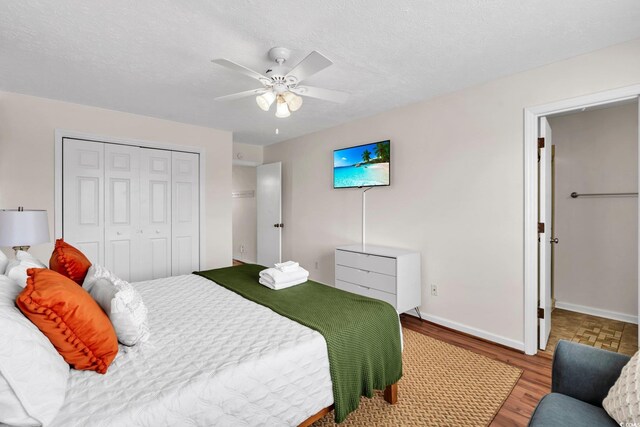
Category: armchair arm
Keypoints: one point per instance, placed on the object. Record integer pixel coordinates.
(585, 373)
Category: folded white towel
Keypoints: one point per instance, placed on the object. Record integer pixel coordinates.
(277, 287)
(276, 276)
(288, 266)
(271, 281)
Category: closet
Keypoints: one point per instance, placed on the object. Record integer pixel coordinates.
(134, 210)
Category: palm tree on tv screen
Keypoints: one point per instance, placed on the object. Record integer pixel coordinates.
(382, 151)
(366, 156)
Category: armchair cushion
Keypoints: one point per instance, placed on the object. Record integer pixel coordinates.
(556, 409)
(585, 373)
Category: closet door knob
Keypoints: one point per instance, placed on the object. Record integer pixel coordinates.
(119, 233)
(157, 231)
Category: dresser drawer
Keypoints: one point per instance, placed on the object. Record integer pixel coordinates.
(367, 292)
(370, 279)
(378, 264)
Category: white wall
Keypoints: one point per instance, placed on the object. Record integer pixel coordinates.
(457, 189)
(247, 154)
(27, 126)
(244, 214)
(596, 260)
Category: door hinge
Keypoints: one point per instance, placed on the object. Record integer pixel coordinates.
(540, 313)
(541, 227)
(540, 142)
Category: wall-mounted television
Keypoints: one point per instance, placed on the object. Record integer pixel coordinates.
(367, 165)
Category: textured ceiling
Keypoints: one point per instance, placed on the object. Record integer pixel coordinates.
(152, 57)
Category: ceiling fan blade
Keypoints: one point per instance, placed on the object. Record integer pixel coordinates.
(241, 69)
(313, 63)
(239, 95)
(326, 94)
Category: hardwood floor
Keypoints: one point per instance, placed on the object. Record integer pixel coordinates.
(534, 383)
(608, 334)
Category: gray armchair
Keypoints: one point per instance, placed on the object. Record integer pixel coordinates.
(581, 378)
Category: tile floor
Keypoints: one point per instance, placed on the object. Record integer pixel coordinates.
(595, 331)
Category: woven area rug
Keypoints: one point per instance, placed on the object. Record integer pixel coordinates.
(443, 385)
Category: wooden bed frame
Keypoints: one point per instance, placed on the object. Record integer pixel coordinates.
(390, 395)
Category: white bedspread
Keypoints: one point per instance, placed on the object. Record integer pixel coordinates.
(214, 358)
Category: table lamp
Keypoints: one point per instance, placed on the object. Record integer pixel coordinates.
(20, 228)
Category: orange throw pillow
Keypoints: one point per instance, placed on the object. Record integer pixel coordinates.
(74, 323)
(69, 262)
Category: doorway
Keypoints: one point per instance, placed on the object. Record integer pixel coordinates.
(269, 213)
(244, 232)
(594, 222)
(257, 218)
(538, 237)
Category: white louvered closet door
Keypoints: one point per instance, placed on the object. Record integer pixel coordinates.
(155, 213)
(83, 197)
(185, 213)
(122, 217)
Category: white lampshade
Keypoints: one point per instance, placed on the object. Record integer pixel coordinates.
(265, 100)
(282, 111)
(293, 101)
(23, 227)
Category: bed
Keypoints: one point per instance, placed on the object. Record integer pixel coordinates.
(215, 358)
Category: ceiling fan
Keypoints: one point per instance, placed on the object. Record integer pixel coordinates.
(282, 86)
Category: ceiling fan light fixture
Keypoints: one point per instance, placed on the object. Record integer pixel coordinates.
(281, 83)
(282, 110)
(293, 101)
(265, 100)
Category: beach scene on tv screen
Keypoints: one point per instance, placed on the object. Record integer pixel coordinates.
(362, 166)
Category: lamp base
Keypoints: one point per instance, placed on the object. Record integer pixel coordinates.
(21, 248)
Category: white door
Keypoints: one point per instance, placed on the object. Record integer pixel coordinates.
(122, 225)
(544, 260)
(155, 214)
(83, 201)
(185, 214)
(269, 207)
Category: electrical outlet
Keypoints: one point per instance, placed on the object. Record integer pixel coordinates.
(241, 249)
(317, 264)
(434, 290)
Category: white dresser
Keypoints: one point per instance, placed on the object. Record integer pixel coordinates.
(387, 274)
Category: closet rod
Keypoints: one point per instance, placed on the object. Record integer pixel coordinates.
(576, 195)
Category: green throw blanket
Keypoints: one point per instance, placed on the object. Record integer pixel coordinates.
(362, 334)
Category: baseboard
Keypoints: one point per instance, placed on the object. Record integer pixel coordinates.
(518, 345)
(597, 312)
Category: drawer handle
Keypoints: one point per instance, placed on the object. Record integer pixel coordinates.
(365, 287)
(364, 271)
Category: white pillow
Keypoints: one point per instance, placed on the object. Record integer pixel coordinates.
(17, 268)
(122, 303)
(3, 262)
(623, 401)
(33, 375)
